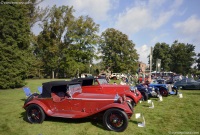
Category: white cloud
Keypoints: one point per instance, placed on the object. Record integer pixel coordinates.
(133, 20)
(161, 20)
(156, 3)
(176, 4)
(191, 26)
(189, 31)
(143, 51)
(97, 9)
(146, 16)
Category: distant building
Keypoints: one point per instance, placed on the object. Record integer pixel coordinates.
(141, 67)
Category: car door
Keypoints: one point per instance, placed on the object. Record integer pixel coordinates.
(60, 105)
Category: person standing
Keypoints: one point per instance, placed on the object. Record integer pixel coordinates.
(186, 78)
(180, 77)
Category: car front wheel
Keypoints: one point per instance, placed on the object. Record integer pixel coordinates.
(131, 101)
(115, 120)
(164, 92)
(35, 114)
(130, 105)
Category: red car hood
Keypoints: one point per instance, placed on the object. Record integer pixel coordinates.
(94, 96)
(121, 88)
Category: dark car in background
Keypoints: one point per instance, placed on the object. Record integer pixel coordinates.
(187, 84)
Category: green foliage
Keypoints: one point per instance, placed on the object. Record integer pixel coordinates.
(81, 39)
(14, 25)
(118, 51)
(14, 43)
(49, 45)
(178, 58)
(198, 61)
(162, 51)
(13, 67)
(66, 44)
(182, 57)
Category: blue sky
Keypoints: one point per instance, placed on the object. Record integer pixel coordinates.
(146, 22)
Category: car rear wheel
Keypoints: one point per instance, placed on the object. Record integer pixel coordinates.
(35, 114)
(145, 96)
(115, 120)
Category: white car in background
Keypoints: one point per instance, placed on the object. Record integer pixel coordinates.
(123, 75)
(115, 76)
(85, 75)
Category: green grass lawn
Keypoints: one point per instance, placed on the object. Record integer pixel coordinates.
(171, 116)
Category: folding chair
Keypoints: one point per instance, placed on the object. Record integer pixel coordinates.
(40, 89)
(27, 91)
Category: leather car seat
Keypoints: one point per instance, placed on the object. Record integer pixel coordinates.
(55, 97)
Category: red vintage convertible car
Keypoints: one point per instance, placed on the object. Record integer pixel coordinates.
(100, 85)
(66, 99)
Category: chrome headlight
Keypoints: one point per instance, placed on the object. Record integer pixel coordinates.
(146, 89)
(133, 89)
(118, 99)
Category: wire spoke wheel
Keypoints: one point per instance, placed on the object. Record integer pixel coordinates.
(35, 114)
(164, 92)
(116, 120)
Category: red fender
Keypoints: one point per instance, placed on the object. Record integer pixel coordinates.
(124, 106)
(41, 104)
(132, 95)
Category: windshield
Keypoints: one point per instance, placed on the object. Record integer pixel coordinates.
(102, 81)
(74, 89)
(188, 80)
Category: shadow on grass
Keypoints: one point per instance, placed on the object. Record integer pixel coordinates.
(194, 93)
(22, 115)
(23, 99)
(133, 121)
(67, 120)
(96, 122)
(146, 105)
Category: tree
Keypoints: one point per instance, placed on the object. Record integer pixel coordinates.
(81, 39)
(162, 51)
(118, 51)
(182, 57)
(66, 44)
(14, 44)
(198, 61)
(49, 41)
(17, 59)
